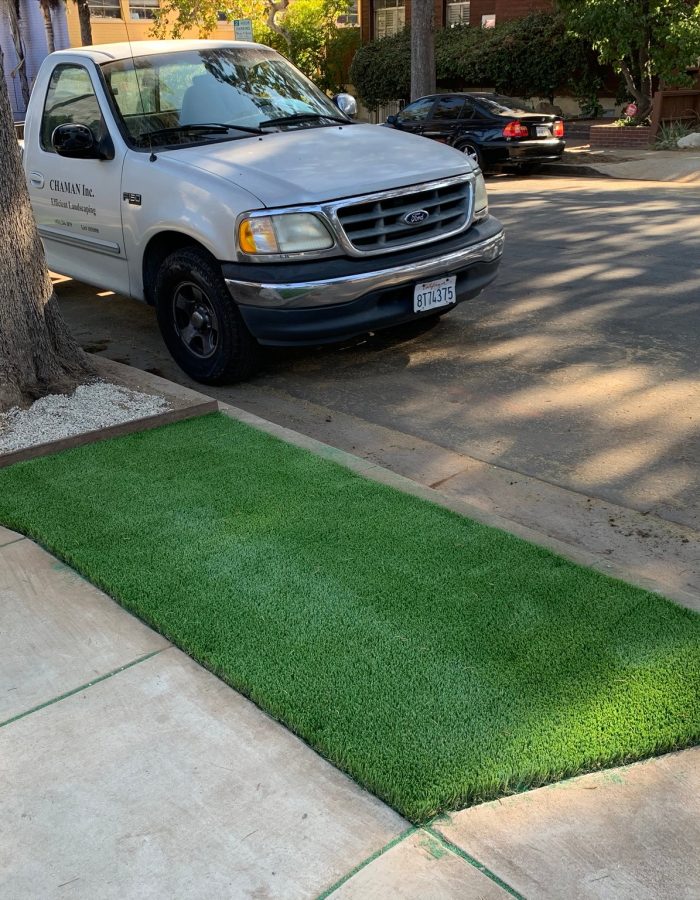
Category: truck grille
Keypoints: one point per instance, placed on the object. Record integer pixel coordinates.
(378, 224)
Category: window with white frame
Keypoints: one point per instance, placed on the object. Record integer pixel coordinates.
(105, 9)
(143, 9)
(389, 17)
(457, 12)
(351, 17)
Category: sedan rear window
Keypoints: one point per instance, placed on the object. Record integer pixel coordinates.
(505, 106)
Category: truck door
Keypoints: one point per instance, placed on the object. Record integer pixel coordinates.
(76, 202)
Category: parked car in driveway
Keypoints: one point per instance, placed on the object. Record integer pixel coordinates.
(492, 130)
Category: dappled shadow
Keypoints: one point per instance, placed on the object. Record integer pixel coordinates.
(579, 365)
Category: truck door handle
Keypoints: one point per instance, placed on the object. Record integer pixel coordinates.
(37, 179)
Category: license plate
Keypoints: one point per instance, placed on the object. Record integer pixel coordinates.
(543, 131)
(431, 294)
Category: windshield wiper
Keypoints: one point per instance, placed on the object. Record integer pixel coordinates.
(301, 117)
(198, 128)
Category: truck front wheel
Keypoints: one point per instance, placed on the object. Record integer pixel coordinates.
(200, 324)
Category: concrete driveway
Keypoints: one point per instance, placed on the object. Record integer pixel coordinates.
(574, 376)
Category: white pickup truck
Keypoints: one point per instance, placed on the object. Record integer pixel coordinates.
(214, 181)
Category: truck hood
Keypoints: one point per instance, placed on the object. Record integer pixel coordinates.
(313, 165)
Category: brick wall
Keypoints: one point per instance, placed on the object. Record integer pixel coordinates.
(518, 9)
(503, 10)
(613, 137)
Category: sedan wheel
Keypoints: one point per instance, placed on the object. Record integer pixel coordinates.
(472, 153)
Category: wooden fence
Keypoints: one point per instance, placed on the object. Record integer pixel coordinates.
(675, 106)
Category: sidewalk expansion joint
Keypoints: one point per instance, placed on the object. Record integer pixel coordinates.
(16, 540)
(365, 862)
(453, 848)
(83, 687)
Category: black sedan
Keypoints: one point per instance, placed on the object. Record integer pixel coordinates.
(494, 131)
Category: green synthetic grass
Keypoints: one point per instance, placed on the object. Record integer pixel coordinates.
(438, 661)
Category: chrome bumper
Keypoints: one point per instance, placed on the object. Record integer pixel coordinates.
(332, 291)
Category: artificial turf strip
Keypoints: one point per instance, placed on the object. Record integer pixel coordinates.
(436, 660)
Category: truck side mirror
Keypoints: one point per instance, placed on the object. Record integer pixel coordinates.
(347, 104)
(78, 142)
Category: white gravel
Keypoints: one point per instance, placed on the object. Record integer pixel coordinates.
(91, 407)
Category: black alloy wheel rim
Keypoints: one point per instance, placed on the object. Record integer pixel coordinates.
(195, 321)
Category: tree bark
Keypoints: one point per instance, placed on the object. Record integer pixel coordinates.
(422, 48)
(273, 7)
(85, 24)
(644, 101)
(38, 356)
(21, 69)
(48, 24)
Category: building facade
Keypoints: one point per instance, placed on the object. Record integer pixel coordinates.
(127, 20)
(384, 17)
(25, 40)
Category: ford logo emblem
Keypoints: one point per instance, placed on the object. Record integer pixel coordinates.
(415, 217)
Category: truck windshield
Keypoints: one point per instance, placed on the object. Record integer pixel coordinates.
(160, 98)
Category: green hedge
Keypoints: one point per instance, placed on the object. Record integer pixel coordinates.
(529, 57)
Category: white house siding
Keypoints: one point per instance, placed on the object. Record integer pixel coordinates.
(60, 27)
(33, 33)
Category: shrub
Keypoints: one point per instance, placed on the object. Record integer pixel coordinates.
(529, 57)
(670, 132)
(381, 70)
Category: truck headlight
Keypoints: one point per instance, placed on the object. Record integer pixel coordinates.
(481, 201)
(283, 233)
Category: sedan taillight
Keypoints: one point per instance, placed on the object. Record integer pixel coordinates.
(558, 130)
(515, 130)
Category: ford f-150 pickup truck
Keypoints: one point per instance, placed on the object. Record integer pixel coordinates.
(214, 181)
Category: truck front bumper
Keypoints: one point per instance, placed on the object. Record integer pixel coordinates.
(356, 296)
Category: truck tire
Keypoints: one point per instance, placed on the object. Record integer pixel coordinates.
(200, 323)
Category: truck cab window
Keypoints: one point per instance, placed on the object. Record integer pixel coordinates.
(70, 98)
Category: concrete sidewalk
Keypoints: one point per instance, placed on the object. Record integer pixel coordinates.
(679, 166)
(130, 771)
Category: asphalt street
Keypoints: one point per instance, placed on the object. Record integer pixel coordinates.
(578, 366)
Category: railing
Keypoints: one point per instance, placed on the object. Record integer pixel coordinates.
(377, 116)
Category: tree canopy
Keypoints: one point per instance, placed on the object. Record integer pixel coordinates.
(640, 39)
(305, 31)
(529, 57)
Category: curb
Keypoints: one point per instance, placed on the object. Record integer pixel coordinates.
(574, 170)
(461, 507)
(189, 404)
(185, 404)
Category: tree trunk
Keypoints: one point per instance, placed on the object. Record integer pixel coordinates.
(422, 48)
(85, 25)
(643, 100)
(37, 353)
(21, 69)
(273, 7)
(48, 24)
